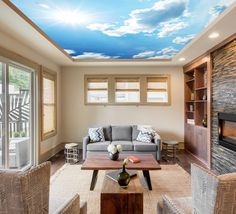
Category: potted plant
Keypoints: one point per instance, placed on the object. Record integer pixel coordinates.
(113, 151)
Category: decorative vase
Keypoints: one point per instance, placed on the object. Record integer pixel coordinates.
(123, 178)
(113, 157)
(204, 122)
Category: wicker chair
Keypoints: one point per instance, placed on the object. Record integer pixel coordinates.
(211, 194)
(28, 192)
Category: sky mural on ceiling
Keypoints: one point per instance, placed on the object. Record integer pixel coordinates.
(122, 29)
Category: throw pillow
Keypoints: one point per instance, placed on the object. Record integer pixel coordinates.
(96, 134)
(145, 136)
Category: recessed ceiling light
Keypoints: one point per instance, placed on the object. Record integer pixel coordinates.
(214, 35)
(182, 59)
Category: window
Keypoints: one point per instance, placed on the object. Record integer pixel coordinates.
(127, 90)
(97, 90)
(157, 90)
(17, 118)
(49, 106)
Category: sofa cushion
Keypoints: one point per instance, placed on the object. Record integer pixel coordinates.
(98, 146)
(121, 133)
(107, 133)
(96, 134)
(126, 145)
(135, 132)
(145, 136)
(144, 147)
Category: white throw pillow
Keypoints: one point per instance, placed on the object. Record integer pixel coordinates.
(96, 134)
(145, 136)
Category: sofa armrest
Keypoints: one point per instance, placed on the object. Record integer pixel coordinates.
(86, 141)
(157, 141)
(72, 207)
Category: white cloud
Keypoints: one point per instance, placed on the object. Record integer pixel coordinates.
(145, 54)
(169, 51)
(171, 27)
(92, 55)
(165, 53)
(217, 10)
(183, 40)
(100, 27)
(69, 51)
(146, 20)
(45, 6)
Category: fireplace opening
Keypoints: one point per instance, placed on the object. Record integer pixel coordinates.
(227, 130)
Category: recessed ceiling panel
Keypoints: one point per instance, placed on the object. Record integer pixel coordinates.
(122, 29)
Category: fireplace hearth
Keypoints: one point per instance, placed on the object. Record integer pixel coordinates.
(227, 130)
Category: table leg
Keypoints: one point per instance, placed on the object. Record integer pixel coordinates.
(147, 178)
(94, 180)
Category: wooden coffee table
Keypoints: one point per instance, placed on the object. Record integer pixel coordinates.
(117, 200)
(98, 162)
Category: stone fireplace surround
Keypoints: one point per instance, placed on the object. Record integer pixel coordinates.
(223, 100)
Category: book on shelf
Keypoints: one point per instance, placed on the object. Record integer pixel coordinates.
(133, 159)
(191, 121)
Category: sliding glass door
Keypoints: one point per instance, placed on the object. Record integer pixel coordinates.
(17, 116)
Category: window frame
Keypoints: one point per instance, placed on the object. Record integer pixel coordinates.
(51, 75)
(88, 80)
(143, 78)
(123, 79)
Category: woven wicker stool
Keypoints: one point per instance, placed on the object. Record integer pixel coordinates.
(71, 153)
(170, 148)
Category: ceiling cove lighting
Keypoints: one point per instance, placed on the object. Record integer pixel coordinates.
(213, 35)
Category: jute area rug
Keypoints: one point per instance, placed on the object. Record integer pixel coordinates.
(171, 180)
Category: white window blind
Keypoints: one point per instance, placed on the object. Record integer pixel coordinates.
(49, 105)
(157, 90)
(127, 90)
(97, 90)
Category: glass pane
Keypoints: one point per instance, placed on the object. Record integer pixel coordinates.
(19, 117)
(127, 85)
(48, 91)
(157, 85)
(1, 117)
(49, 116)
(157, 97)
(127, 97)
(97, 85)
(97, 97)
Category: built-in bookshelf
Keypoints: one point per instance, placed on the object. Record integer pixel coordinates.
(197, 77)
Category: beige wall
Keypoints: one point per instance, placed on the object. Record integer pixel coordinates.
(76, 117)
(10, 43)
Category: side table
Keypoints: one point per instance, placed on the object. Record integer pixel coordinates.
(71, 153)
(170, 148)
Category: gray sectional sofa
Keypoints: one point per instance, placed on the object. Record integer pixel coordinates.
(125, 136)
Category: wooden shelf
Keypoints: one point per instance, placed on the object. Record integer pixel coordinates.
(202, 88)
(201, 126)
(191, 80)
(197, 83)
(200, 101)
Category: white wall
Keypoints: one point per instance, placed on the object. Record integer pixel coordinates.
(76, 117)
(10, 43)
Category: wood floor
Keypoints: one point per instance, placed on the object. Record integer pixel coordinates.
(184, 160)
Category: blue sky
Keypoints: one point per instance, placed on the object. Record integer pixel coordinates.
(122, 29)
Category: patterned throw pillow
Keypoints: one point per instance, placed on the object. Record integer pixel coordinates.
(96, 134)
(145, 136)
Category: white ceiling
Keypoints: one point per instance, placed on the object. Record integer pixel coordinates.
(11, 23)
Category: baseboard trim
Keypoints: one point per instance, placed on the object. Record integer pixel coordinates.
(47, 155)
